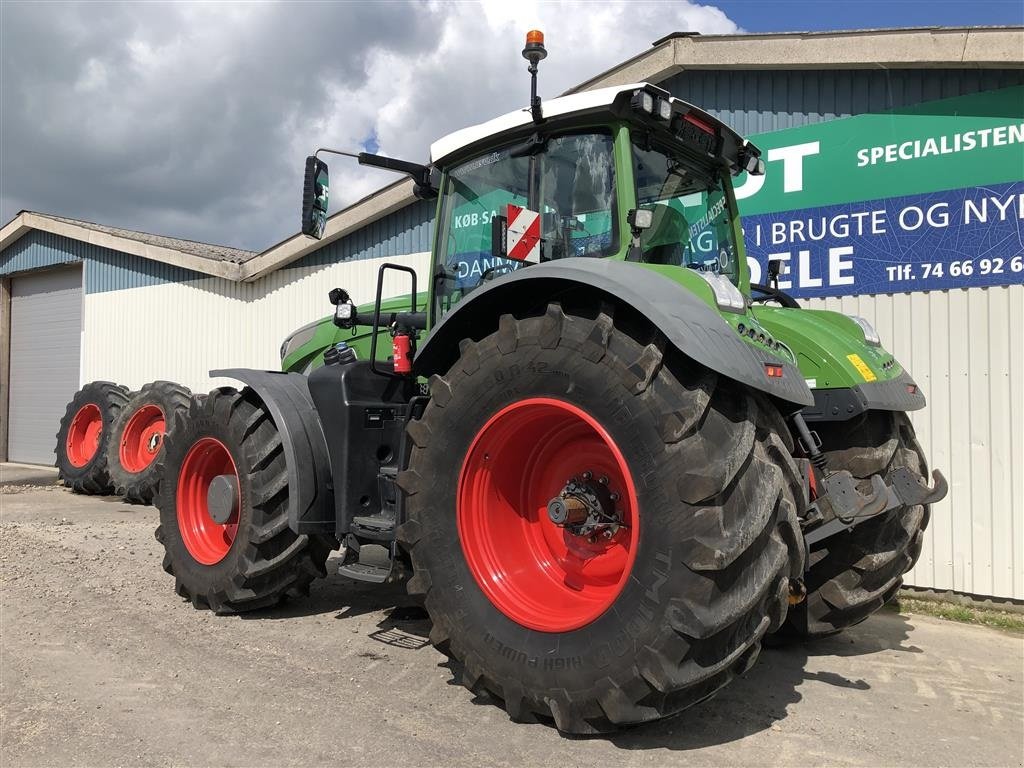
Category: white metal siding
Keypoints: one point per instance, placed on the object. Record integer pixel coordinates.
(180, 331)
(46, 325)
(965, 348)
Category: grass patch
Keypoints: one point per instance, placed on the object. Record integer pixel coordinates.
(966, 614)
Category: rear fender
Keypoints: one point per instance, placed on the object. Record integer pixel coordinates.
(689, 324)
(286, 396)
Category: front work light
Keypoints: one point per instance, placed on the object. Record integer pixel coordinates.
(727, 295)
(870, 334)
(664, 109)
(640, 218)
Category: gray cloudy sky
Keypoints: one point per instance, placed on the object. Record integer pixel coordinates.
(192, 120)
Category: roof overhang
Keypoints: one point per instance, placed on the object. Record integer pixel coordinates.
(26, 221)
(926, 48)
(376, 206)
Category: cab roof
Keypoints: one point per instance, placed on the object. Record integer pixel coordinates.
(596, 101)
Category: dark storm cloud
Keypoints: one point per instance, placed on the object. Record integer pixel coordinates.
(192, 120)
(177, 118)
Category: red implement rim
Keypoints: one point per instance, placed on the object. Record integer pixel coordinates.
(84, 435)
(142, 438)
(536, 573)
(206, 540)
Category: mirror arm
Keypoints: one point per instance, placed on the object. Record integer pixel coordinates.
(419, 173)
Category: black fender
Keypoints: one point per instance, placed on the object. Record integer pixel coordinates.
(689, 324)
(898, 394)
(286, 396)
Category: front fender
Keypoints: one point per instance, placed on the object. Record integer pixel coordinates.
(689, 323)
(286, 396)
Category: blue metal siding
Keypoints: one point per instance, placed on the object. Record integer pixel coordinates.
(402, 232)
(109, 270)
(758, 101)
(37, 250)
(408, 230)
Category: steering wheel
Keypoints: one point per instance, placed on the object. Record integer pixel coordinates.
(498, 269)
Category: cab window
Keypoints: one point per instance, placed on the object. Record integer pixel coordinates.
(693, 223)
(570, 181)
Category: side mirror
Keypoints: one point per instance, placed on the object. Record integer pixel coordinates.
(774, 270)
(315, 191)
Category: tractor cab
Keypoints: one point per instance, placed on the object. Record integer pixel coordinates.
(626, 173)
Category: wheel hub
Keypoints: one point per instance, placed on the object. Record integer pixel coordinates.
(222, 498)
(586, 508)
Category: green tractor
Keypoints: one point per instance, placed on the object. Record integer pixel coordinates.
(609, 465)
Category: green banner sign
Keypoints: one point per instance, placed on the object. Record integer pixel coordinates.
(940, 145)
(925, 198)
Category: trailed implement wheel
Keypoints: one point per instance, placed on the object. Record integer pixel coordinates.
(137, 439)
(85, 434)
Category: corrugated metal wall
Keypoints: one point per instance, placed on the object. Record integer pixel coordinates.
(966, 350)
(180, 331)
(758, 101)
(37, 250)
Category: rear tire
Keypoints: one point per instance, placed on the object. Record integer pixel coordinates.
(137, 437)
(84, 436)
(715, 506)
(854, 574)
(254, 560)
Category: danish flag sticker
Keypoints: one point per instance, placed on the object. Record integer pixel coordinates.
(523, 234)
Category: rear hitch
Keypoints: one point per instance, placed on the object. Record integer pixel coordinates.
(911, 489)
(851, 508)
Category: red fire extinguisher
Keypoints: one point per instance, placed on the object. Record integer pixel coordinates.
(401, 348)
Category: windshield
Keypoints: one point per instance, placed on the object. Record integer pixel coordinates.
(570, 181)
(692, 224)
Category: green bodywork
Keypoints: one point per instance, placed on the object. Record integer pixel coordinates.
(304, 349)
(823, 341)
(819, 342)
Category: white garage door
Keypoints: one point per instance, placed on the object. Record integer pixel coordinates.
(46, 326)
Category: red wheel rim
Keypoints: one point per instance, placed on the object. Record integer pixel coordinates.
(536, 573)
(205, 539)
(142, 438)
(84, 435)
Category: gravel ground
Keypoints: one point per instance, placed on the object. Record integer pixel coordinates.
(102, 664)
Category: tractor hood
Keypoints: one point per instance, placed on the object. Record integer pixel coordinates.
(833, 354)
(304, 349)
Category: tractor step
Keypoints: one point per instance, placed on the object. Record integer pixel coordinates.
(374, 574)
(370, 561)
(374, 527)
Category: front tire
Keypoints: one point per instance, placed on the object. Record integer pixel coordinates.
(674, 604)
(253, 559)
(854, 574)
